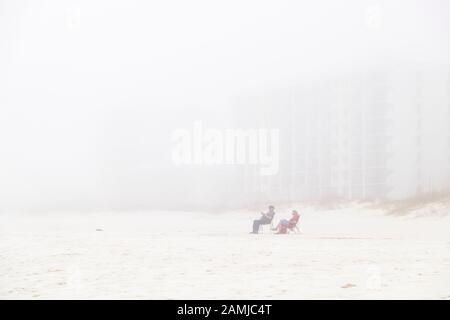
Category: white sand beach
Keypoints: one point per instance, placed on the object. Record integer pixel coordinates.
(353, 251)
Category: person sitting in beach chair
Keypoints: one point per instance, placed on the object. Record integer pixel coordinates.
(266, 218)
(287, 225)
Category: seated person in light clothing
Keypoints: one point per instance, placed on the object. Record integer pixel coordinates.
(285, 224)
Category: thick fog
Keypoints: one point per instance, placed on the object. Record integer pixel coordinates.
(96, 95)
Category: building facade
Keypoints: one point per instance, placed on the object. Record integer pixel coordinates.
(372, 135)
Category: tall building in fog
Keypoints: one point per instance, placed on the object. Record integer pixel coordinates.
(420, 98)
(372, 135)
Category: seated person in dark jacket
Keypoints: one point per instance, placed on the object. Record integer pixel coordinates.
(266, 218)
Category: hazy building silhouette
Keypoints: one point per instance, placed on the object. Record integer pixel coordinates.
(347, 137)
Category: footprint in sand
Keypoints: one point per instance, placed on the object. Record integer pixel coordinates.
(348, 285)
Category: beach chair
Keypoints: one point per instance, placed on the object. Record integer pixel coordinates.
(266, 228)
(293, 226)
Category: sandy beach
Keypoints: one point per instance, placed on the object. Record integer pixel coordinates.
(351, 252)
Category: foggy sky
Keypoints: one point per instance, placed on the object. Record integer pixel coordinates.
(91, 90)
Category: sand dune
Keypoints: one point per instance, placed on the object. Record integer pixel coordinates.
(354, 251)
